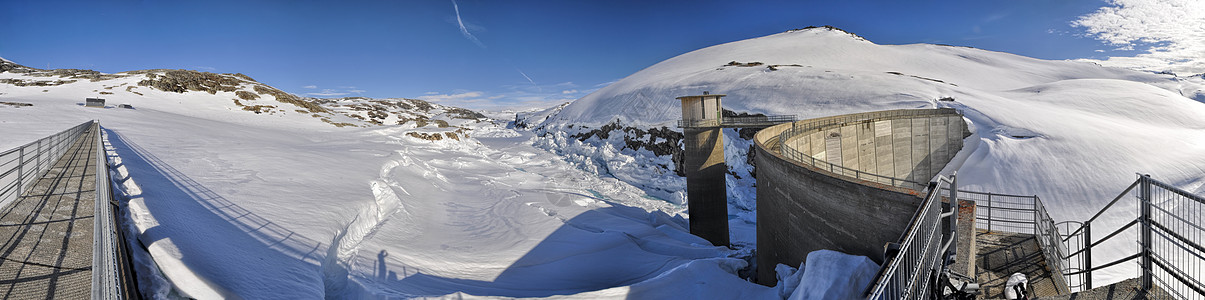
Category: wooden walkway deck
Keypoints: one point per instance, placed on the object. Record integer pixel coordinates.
(47, 232)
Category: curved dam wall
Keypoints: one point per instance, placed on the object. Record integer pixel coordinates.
(805, 202)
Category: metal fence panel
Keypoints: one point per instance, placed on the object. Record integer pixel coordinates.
(105, 274)
(1174, 258)
(908, 275)
(20, 167)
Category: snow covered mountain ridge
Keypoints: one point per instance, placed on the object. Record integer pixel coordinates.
(236, 91)
(1074, 133)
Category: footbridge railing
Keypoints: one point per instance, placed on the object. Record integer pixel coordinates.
(1170, 226)
(112, 276)
(1028, 215)
(739, 121)
(910, 272)
(1171, 240)
(20, 167)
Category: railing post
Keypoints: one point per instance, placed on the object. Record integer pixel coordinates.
(1144, 206)
(1087, 243)
(20, 172)
(953, 208)
(989, 212)
(1034, 211)
(37, 159)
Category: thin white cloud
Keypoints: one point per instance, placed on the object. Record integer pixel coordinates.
(444, 98)
(341, 91)
(514, 99)
(1171, 31)
(327, 93)
(465, 30)
(566, 92)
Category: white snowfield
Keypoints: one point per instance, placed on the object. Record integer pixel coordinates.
(233, 204)
(1073, 133)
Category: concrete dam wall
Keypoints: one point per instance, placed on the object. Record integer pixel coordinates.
(849, 183)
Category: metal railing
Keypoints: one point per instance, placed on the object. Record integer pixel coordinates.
(737, 121)
(107, 279)
(24, 165)
(1027, 215)
(1170, 255)
(813, 125)
(910, 273)
(1171, 241)
(20, 167)
(801, 158)
(758, 120)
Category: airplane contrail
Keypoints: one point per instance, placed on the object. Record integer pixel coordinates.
(465, 30)
(533, 82)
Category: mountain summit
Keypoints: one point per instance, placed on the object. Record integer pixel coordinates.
(820, 71)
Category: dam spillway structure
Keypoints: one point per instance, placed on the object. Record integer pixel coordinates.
(706, 192)
(849, 183)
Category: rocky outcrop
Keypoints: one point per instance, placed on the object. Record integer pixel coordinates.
(661, 141)
(180, 81)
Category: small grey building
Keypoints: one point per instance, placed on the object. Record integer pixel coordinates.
(94, 102)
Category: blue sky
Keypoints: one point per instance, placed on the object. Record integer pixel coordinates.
(493, 54)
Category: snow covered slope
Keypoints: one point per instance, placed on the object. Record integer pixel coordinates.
(1073, 133)
(235, 98)
(281, 204)
(830, 71)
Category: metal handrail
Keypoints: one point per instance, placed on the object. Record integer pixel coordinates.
(1107, 206)
(758, 119)
(906, 275)
(106, 268)
(1163, 234)
(1030, 216)
(736, 121)
(20, 167)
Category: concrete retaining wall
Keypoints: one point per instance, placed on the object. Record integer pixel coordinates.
(913, 149)
(803, 208)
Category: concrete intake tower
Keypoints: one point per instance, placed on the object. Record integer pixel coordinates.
(706, 191)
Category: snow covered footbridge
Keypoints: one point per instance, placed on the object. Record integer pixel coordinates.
(57, 220)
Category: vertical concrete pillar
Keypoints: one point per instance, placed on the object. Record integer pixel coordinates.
(965, 248)
(706, 191)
